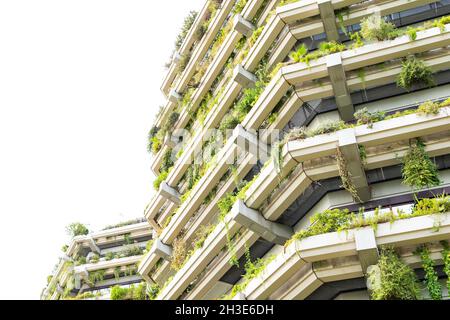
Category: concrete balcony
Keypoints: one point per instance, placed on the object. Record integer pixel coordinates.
(185, 47)
(301, 255)
(268, 180)
(228, 46)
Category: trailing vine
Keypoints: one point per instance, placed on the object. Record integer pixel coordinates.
(346, 178)
(431, 277)
(446, 259)
(392, 279)
(414, 71)
(418, 170)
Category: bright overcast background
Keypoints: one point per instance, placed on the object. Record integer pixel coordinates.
(79, 89)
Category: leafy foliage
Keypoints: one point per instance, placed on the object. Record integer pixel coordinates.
(187, 24)
(363, 116)
(431, 277)
(397, 281)
(375, 27)
(159, 179)
(130, 293)
(337, 220)
(446, 259)
(418, 170)
(77, 229)
(428, 108)
(413, 72)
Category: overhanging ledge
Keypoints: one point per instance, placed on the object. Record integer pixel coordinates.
(254, 221)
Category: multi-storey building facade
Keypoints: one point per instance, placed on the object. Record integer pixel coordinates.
(282, 111)
(92, 264)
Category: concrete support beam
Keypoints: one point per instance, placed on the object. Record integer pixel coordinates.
(162, 250)
(243, 26)
(169, 141)
(339, 84)
(243, 77)
(174, 96)
(350, 151)
(248, 141)
(169, 193)
(328, 19)
(93, 245)
(366, 246)
(254, 221)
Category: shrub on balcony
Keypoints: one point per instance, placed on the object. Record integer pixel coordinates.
(239, 6)
(428, 108)
(159, 179)
(130, 293)
(376, 28)
(300, 53)
(167, 161)
(187, 24)
(77, 229)
(363, 116)
(418, 170)
(393, 279)
(413, 72)
(178, 254)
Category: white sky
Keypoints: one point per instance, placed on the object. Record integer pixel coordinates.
(79, 88)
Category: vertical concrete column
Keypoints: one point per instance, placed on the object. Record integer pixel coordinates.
(328, 19)
(339, 84)
(349, 148)
(366, 246)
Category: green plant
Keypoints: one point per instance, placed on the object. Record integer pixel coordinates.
(64, 248)
(80, 261)
(431, 277)
(130, 293)
(357, 41)
(239, 6)
(225, 204)
(178, 254)
(202, 234)
(418, 170)
(392, 279)
(117, 271)
(187, 24)
(414, 72)
(152, 138)
(159, 179)
(412, 33)
(300, 53)
(346, 178)
(252, 270)
(95, 277)
(94, 258)
(77, 229)
(375, 27)
(365, 117)
(167, 161)
(153, 291)
(446, 260)
(154, 145)
(428, 108)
